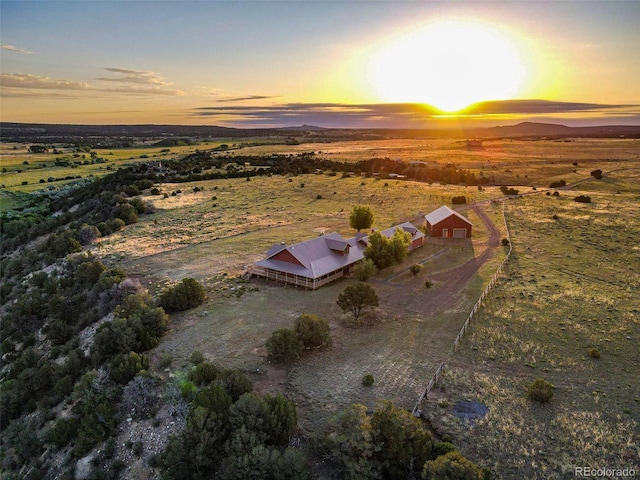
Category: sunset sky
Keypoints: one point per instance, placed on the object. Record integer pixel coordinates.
(331, 64)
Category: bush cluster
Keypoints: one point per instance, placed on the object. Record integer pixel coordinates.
(232, 433)
(183, 296)
(540, 390)
(391, 444)
(509, 190)
(309, 332)
(365, 269)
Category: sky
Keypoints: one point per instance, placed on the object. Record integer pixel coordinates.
(365, 64)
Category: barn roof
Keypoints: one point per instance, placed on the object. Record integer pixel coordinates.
(317, 256)
(441, 213)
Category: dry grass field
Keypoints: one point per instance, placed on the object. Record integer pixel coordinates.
(572, 286)
(513, 161)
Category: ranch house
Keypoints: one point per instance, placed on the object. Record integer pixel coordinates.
(321, 260)
(312, 263)
(447, 223)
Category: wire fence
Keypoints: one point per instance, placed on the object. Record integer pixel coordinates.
(436, 376)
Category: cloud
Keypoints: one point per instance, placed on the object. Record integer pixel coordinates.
(11, 48)
(134, 76)
(522, 107)
(26, 80)
(248, 97)
(26, 85)
(391, 115)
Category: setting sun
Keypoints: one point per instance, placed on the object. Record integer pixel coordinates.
(448, 65)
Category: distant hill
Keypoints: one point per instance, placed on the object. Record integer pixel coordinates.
(35, 132)
(63, 132)
(533, 129)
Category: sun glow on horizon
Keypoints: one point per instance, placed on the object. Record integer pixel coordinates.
(449, 65)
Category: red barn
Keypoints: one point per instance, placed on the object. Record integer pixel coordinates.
(447, 223)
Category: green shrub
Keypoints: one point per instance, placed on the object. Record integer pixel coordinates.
(186, 294)
(594, 353)
(138, 204)
(582, 199)
(62, 432)
(558, 183)
(235, 383)
(540, 391)
(284, 346)
(453, 466)
(204, 373)
(461, 199)
(188, 390)
(196, 357)
(166, 359)
(127, 213)
(143, 184)
(508, 190)
(368, 380)
(365, 270)
(88, 234)
(505, 242)
(131, 190)
(442, 448)
(125, 367)
(401, 439)
(428, 283)
(312, 331)
(416, 268)
(115, 224)
(282, 418)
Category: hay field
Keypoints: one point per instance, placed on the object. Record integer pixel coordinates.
(572, 285)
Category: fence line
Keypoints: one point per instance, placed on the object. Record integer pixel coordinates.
(436, 376)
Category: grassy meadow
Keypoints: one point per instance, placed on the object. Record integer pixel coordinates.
(41, 166)
(511, 161)
(255, 214)
(572, 286)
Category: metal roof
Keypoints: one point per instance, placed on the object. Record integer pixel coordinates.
(318, 255)
(441, 213)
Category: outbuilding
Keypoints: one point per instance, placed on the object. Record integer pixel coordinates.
(447, 223)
